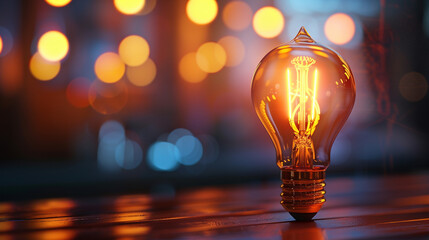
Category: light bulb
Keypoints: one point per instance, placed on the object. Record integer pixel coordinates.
(303, 93)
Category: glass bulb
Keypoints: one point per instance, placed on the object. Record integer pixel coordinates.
(303, 93)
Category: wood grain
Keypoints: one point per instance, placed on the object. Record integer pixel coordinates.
(393, 207)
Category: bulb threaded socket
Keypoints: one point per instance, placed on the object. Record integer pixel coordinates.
(303, 192)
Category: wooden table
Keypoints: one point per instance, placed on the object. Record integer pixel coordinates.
(392, 207)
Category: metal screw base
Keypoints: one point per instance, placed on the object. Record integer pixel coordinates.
(303, 192)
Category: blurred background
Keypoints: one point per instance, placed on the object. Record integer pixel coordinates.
(123, 96)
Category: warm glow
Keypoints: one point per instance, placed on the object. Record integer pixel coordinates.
(297, 100)
(58, 3)
(268, 22)
(234, 50)
(142, 75)
(289, 91)
(314, 93)
(189, 69)
(201, 11)
(134, 50)
(55, 233)
(129, 7)
(131, 229)
(211, 57)
(109, 67)
(43, 69)
(340, 28)
(1, 44)
(299, 119)
(53, 46)
(77, 92)
(237, 15)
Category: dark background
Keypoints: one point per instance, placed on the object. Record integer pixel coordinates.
(48, 147)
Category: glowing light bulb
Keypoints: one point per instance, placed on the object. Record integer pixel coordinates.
(303, 93)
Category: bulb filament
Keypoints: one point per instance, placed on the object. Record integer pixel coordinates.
(304, 111)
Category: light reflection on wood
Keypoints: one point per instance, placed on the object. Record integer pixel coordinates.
(366, 207)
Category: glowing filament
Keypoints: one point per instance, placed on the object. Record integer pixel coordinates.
(303, 110)
(314, 94)
(300, 95)
(289, 93)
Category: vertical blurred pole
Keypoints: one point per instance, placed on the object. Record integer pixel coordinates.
(28, 26)
(192, 97)
(10, 64)
(166, 106)
(14, 79)
(388, 110)
(384, 104)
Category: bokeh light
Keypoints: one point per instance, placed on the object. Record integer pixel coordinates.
(234, 50)
(340, 28)
(178, 133)
(413, 86)
(109, 127)
(108, 98)
(53, 46)
(6, 39)
(163, 156)
(201, 11)
(211, 57)
(149, 5)
(315, 7)
(268, 22)
(128, 155)
(191, 150)
(77, 92)
(134, 50)
(129, 7)
(109, 67)
(142, 75)
(58, 3)
(43, 69)
(237, 15)
(110, 136)
(189, 70)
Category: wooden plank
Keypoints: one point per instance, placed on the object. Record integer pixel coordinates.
(356, 208)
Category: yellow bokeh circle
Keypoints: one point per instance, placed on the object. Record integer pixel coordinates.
(211, 57)
(58, 3)
(201, 11)
(340, 28)
(189, 70)
(53, 46)
(142, 75)
(109, 67)
(268, 22)
(43, 69)
(129, 7)
(134, 50)
(1, 44)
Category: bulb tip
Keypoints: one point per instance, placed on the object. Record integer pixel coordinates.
(303, 31)
(303, 36)
(303, 217)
